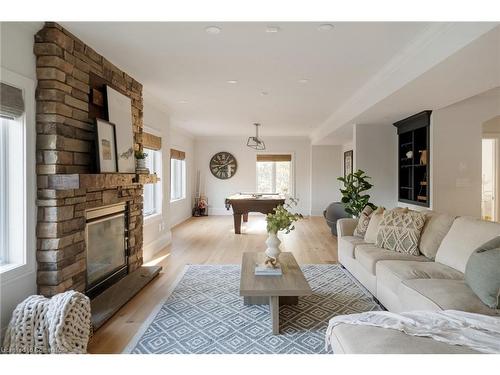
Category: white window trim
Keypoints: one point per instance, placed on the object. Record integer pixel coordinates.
(158, 163)
(184, 192)
(10, 272)
(292, 170)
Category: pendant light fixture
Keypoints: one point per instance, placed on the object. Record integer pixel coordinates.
(256, 142)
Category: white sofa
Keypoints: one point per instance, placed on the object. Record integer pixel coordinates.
(402, 282)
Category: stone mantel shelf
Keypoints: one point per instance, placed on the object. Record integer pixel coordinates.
(98, 180)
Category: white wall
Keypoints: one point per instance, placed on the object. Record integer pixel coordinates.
(181, 210)
(375, 149)
(16, 55)
(157, 228)
(456, 154)
(245, 178)
(326, 166)
(156, 232)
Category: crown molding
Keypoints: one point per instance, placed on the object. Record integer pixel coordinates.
(432, 46)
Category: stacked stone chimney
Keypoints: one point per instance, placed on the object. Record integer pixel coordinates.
(68, 100)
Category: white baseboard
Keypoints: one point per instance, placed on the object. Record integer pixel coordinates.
(155, 246)
(316, 212)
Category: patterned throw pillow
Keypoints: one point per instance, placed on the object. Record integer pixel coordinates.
(364, 220)
(400, 231)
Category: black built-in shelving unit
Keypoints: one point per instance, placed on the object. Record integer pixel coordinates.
(413, 172)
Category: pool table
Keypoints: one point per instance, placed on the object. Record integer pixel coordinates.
(243, 203)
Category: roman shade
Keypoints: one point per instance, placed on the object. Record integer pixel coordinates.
(176, 154)
(269, 157)
(11, 101)
(151, 141)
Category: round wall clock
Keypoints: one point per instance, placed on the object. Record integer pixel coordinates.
(223, 165)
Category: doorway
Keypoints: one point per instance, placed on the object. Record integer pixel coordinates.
(489, 179)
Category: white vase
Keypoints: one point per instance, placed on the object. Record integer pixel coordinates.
(273, 245)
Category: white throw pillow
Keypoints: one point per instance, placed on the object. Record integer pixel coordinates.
(372, 230)
(466, 235)
(435, 229)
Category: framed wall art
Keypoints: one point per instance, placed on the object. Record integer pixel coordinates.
(106, 147)
(348, 163)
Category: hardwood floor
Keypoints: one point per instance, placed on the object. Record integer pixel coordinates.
(209, 240)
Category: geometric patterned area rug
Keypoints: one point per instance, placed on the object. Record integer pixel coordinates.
(205, 314)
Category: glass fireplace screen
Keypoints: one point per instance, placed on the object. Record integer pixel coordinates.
(105, 247)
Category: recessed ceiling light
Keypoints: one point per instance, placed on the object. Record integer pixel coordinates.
(325, 27)
(272, 29)
(182, 102)
(232, 81)
(303, 80)
(213, 30)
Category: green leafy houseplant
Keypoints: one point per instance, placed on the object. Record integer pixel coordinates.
(282, 218)
(140, 155)
(353, 194)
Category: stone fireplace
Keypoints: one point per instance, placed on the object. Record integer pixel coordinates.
(72, 196)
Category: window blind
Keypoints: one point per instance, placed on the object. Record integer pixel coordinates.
(11, 101)
(151, 141)
(269, 157)
(176, 154)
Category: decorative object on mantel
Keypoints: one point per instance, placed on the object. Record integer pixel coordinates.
(120, 113)
(40, 325)
(106, 147)
(140, 160)
(280, 220)
(353, 194)
(256, 142)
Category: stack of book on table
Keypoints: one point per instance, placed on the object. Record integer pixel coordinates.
(262, 270)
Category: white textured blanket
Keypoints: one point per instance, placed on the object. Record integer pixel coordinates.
(40, 325)
(476, 331)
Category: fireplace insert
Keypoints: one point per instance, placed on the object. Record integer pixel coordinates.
(106, 240)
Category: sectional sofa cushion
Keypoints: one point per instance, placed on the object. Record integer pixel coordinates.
(348, 243)
(465, 236)
(373, 225)
(368, 255)
(482, 273)
(440, 294)
(361, 339)
(400, 231)
(390, 273)
(435, 229)
(363, 221)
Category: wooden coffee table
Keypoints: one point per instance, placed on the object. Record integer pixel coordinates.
(272, 290)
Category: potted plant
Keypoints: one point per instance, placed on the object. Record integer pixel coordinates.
(353, 194)
(140, 160)
(281, 219)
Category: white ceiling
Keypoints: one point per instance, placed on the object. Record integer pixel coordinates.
(179, 62)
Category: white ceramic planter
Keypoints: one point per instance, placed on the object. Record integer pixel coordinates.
(141, 163)
(273, 245)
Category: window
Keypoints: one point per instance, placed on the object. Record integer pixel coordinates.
(177, 175)
(16, 226)
(274, 174)
(152, 192)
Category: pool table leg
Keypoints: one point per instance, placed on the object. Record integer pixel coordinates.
(237, 223)
(245, 217)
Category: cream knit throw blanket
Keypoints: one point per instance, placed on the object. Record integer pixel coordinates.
(60, 324)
